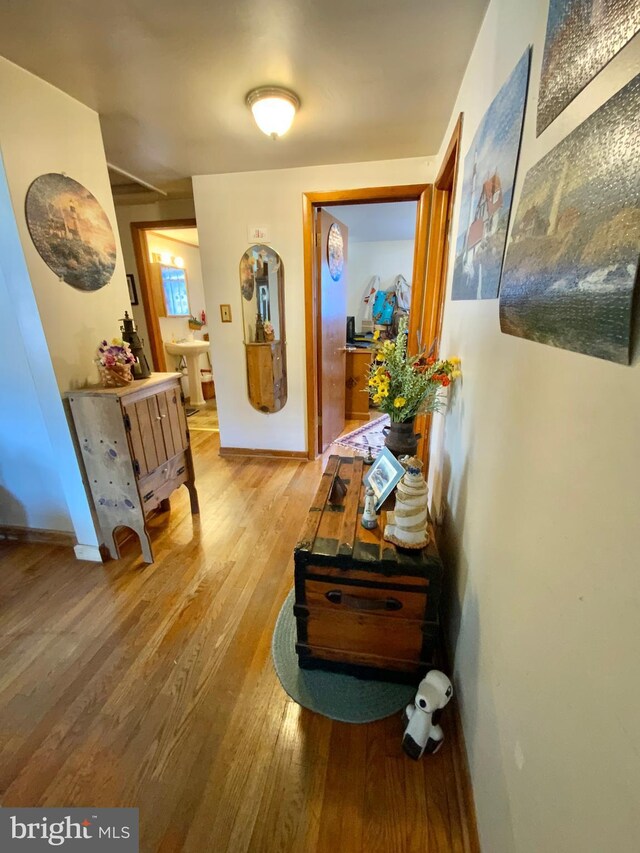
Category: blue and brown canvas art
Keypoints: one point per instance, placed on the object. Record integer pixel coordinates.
(582, 37)
(487, 190)
(572, 260)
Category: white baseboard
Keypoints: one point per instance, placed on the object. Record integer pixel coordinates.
(88, 552)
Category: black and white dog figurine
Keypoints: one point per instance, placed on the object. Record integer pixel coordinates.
(422, 733)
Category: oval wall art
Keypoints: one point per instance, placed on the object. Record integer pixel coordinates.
(335, 251)
(71, 231)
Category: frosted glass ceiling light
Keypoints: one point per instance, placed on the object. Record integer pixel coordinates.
(273, 109)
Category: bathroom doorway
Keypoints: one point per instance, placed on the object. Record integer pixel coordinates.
(171, 310)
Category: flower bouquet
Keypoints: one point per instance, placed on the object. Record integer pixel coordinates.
(269, 331)
(404, 386)
(114, 363)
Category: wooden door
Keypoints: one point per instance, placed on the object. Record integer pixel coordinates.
(332, 322)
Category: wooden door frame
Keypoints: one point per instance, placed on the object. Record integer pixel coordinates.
(421, 193)
(151, 311)
(439, 246)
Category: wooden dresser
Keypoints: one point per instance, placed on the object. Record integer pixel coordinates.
(362, 606)
(134, 444)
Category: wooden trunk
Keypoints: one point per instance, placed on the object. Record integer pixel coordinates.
(134, 445)
(362, 605)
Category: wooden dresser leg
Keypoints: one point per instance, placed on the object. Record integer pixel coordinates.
(111, 544)
(193, 497)
(145, 543)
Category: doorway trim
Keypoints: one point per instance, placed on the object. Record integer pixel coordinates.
(421, 193)
(439, 246)
(141, 252)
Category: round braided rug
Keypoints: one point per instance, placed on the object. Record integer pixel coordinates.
(340, 697)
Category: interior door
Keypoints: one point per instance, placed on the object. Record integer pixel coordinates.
(332, 322)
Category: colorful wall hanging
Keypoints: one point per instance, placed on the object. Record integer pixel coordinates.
(487, 190)
(71, 231)
(573, 255)
(582, 37)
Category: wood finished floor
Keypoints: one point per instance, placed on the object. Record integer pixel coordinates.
(152, 686)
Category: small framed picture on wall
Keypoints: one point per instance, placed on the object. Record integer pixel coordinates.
(133, 293)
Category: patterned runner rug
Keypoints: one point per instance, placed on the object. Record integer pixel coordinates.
(368, 435)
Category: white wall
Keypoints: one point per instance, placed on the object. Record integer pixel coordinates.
(386, 258)
(225, 206)
(43, 130)
(155, 212)
(541, 504)
(30, 489)
(40, 482)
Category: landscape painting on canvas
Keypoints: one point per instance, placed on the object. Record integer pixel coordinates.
(487, 190)
(582, 37)
(572, 260)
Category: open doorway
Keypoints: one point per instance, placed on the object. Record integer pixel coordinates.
(171, 311)
(433, 210)
(339, 351)
(378, 271)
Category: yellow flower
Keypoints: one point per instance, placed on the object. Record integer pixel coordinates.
(377, 399)
(116, 342)
(384, 391)
(399, 402)
(374, 381)
(376, 334)
(456, 374)
(454, 360)
(379, 357)
(380, 370)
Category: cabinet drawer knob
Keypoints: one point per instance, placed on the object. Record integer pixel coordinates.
(357, 602)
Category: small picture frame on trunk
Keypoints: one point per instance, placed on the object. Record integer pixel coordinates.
(384, 475)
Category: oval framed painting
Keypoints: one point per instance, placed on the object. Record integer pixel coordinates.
(71, 231)
(335, 251)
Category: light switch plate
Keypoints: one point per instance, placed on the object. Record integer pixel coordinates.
(225, 313)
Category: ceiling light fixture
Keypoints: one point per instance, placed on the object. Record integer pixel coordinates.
(273, 109)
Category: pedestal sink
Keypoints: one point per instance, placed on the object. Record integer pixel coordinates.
(191, 350)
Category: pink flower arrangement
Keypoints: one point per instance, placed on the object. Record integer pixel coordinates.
(117, 352)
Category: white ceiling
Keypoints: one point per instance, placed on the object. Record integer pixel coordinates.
(371, 223)
(377, 79)
(183, 235)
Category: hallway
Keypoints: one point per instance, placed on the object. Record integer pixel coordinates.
(152, 686)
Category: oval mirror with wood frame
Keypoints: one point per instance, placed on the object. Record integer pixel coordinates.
(262, 288)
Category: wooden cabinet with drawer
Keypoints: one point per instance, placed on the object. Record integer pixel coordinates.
(134, 445)
(357, 383)
(362, 606)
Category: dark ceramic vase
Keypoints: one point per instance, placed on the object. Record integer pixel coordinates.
(401, 439)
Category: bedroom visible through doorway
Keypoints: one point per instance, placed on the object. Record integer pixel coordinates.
(368, 291)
